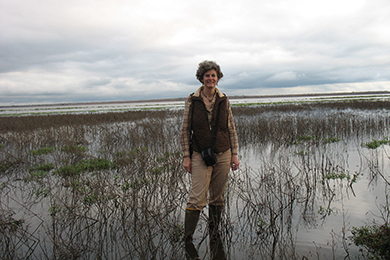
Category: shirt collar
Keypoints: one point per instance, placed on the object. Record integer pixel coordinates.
(198, 92)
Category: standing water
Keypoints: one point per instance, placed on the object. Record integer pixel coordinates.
(111, 186)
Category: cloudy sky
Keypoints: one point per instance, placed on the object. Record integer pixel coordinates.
(104, 50)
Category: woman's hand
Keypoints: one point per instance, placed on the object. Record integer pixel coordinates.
(187, 164)
(234, 162)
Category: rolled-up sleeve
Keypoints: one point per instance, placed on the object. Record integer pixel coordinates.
(185, 134)
(232, 131)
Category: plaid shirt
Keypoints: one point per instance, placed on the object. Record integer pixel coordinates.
(186, 126)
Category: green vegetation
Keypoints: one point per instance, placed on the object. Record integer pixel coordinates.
(42, 167)
(334, 176)
(177, 232)
(376, 143)
(37, 172)
(53, 210)
(375, 239)
(325, 211)
(10, 225)
(74, 149)
(309, 138)
(42, 192)
(4, 166)
(300, 153)
(136, 184)
(132, 198)
(341, 176)
(88, 165)
(42, 151)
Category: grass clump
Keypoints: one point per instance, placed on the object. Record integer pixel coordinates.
(375, 239)
(96, 164)
(4, 166)
(309, 138)
(39, 171)
(335, 176)
(42, 167)
(76, 149)
(342, 175)
(43, 150)
(376, 143)
(331, 140)
(90, 165)
(305, 138)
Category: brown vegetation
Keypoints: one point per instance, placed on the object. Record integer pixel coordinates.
(111, 186)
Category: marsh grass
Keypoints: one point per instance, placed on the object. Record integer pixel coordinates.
(111, 185)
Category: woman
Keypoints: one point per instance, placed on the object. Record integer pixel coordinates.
(199, 125)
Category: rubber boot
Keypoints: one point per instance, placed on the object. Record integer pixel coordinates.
(216, 247)
(190, 222)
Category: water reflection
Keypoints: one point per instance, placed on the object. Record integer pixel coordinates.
(117, 191)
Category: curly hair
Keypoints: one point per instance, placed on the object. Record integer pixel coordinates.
(205, 66)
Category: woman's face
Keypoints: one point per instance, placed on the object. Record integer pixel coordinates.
(210, 79)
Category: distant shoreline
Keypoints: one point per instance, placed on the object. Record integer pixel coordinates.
(383, 92)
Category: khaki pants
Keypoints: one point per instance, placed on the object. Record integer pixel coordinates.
(212, 179)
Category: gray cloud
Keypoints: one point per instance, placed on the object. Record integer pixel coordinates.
(104, 50)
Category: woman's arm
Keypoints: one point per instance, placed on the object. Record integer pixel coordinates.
(186, 134)
(234, 162)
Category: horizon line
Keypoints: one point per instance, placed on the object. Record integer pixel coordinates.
(356, 93)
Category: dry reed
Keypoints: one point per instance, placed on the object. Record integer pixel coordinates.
(111, 186)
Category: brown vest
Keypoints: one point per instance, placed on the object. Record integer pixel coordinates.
(201, 128)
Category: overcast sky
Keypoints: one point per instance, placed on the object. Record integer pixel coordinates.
(104, 50)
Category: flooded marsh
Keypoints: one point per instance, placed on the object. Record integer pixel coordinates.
(111, 185)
